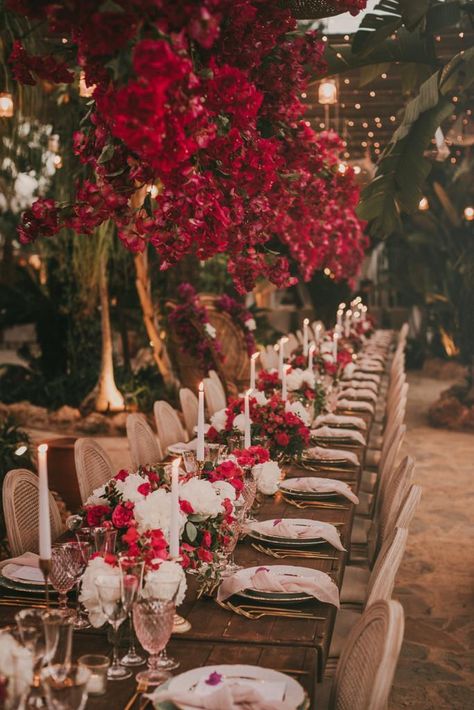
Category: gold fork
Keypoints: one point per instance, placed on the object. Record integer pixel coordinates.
(142, 685)
(315, 504)
(255, 613)
(281, 553)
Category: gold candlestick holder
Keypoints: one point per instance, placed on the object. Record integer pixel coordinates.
(45, 567)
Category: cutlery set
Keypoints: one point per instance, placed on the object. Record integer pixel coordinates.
(305, 503)
(258, 612)
(281, 553)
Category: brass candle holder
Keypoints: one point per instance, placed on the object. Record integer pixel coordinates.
(45, 567)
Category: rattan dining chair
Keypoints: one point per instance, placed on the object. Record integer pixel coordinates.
(189, 407)
(168, 425)
(93, 466)
(20, 507)
(144, 445)
(291, 345)
(215, 399)
(367, 664)
(218, 382)
(380, 585)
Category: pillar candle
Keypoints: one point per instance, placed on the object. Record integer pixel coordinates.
(44, 521)
(247, 435)
(305, 336)
(253, 362)
(284, 393)
(311, 350)
(174, 517)
(200, 425)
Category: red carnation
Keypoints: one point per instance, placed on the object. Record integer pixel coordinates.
(282, 439)
(122, 516)
(96, 514)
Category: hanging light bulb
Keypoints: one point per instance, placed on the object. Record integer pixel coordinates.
(6, 104)
(327, 92)
(423, 204)
(469, 213)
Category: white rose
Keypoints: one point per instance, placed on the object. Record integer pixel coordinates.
(97, 567)
(210, 330)
(294, 380)
(219, 419)
(154, 512)
(224, 489)
(202, 496)
(267, 475)
(251, 324)
(128, 488)
(239, 422)
(308, 378)
(163, 581)
(260, 398)
(97, 497)
(16, 665)
(299, 410)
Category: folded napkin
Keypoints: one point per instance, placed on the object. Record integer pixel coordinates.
(313, 484)
(338, 419)
(326, 431)
(271, 579)
(320, 452)
(356, 405)
(351, 392)
(286, 527)
(366, 376)
(228, 696)
(24, 568)
(369, 365)
(183, 446)
(360, 384)
(27, 559)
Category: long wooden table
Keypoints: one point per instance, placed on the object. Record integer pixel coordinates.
(296, 646)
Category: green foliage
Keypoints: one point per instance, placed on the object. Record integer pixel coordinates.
(11, 439)
(142, 388)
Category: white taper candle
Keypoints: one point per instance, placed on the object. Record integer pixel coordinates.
(253, 362)
(247, 432)
(200, 425)
(44, 521)
(305, 336)
(174, 517)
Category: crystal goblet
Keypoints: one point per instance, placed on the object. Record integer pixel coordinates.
(109, 592)
(153, 621)
(62, 574)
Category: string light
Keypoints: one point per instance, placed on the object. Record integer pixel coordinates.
(58, 163)
(357, 106)
(469, 213)
(455, 99)
(346, 37)
(322, 125)
(357, 169)
(461, 34)
(364, 144)
(423, 204)
(350, 123)
(324, 38)
(370, 134)
(307, 123)
(383, 76)
(342, 168)
(372, 93)
(327, 271)
(347, 81)
(453, 160)
(393, 118)
(6, 105)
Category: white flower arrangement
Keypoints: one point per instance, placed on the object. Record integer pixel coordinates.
(267, 475)
(260, 398)
(153, 512)
(225, 489)
(97, 567)
(239, 422)
(203, 496)
(159, 581)
(294, 379)
(97, 496)
(16, 666)
(128, 488)
(219, 419)
(299, 410)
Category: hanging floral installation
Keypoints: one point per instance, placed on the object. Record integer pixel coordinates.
(242, 317)
(199, 102)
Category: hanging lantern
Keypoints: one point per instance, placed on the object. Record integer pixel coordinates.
(327, 92)
(469, 213)
(6, 104)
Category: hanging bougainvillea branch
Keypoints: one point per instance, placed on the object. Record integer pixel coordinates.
(200, 102)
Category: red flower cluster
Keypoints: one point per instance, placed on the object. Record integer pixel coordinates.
(189, 320)
(24, 65)
(240, 315)
(202, 100)
(227, 471)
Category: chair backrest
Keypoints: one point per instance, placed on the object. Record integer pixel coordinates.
(168, 425)
(384, 571)
(21, 506)
(218, 382)
(93, 466)
(189, 407)
(291, 344)
(397, 484)
(388, 460)
(408, 507)
(144, 445)
(366, 667)
(215, 400)
(403, 335)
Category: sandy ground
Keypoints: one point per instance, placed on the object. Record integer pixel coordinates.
(435, 582)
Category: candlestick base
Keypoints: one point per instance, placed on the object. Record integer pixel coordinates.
(45, 567)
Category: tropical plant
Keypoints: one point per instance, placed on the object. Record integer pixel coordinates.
(15, 452)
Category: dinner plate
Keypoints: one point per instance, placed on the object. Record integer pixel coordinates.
(280, 688)
(285, 598)
(277, 540)
(325, 462)
(9, 570)
(177, 449)
(326, 440)
(23, 588)
(306, 495)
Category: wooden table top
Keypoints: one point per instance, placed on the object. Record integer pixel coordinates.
(218, 635)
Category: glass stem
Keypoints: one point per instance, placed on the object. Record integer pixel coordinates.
(153, 660)
(131, 648)
(63, 601)
(115, 658)
(78, 603)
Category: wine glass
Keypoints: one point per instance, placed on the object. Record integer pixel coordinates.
(249, 493)
(189, 461)
(79, 553)
(62, 574)
(32, 636)
(104, 540)
(229, 564)
(58, 628)
(153, 620)
(166, 590)
(132, 579)
(109, 591)
(66, 689)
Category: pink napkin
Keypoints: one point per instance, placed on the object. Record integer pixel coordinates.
(226, 697)
(27, 559)
(313, 484)
(281, 578)
(326, 431)
(361, 393)
(339, 419)
(285, 527)
(361, 384)
(355, 404)
(319, 452)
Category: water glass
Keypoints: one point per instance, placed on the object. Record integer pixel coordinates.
(109, 592)
(229, 564)
(153, 621)
(165, 590)
(132, 580)
(79, 553)
(98, 667)
(66, 690)
(58, 628)
(104, 540)
(189, 461)
(32, 636)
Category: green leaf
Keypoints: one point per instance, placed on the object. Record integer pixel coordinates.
(443, 15)
(385, 18)
(413, 12)
(106, 154)
(147, 205)
(373, 71)
(191, 531)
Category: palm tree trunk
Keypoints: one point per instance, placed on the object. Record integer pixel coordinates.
(108, 398)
